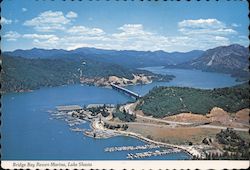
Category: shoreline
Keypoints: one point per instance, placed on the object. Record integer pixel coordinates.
(190, 150)
(84, 84)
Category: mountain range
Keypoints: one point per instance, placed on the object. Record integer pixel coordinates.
(232, 59)
(126, 58)
(35, 68)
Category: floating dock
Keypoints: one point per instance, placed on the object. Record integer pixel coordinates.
(150, 153)
(127, 148)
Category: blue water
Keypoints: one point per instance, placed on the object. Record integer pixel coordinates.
(29, 134)
(187, 78)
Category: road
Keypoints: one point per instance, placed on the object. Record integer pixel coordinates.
(164, 121)
(174, 123)
(223, 127)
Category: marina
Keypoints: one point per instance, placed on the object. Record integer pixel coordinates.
(152, 153)
(126, 148)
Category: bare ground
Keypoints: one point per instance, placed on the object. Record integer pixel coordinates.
(217, 116)
(182, 134)
(187, 117)
(177, 135)
(242, 116)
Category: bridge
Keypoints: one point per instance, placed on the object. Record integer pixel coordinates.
(126, 91)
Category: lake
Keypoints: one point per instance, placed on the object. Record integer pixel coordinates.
(187, 78)
(29, 133)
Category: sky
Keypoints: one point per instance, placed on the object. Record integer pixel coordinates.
(123, 25)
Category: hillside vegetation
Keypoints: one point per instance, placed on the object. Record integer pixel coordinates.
(166, 101)
(234, 145)
(232, 59)
(27, 74)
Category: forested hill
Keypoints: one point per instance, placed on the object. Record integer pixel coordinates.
(20, 74)
(166, 101)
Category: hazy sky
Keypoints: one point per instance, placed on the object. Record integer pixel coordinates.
(130, 25)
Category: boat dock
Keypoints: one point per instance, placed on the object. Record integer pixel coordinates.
(127, 148)
(77, 129)
(152, 153)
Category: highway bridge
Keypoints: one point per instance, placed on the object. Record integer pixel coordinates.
(126, 91)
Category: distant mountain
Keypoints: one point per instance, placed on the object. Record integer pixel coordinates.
(148, 58)
(37, 53)
(127, 58)
(180, 57)
(232, 59)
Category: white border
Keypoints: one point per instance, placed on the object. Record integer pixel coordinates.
(120, 165)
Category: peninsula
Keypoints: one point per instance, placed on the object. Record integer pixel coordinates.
(205, 132)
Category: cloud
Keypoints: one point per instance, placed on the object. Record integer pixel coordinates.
(243, 40)
(135, 37)
(129, 37)
(81, 30)
(44, 40)
(50, 43)
(201, 23)
(205, 42)
(235, 25)
(191, 34)
(48, 21)
(204, 26)
(131, 31)
(39, 36)
(11, 36)
(5, 21)
(24, 9)
(206, 33)
(131, 28)
(71, 14)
